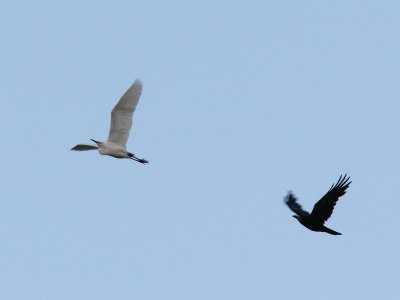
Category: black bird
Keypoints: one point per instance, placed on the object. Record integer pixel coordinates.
(322, 209)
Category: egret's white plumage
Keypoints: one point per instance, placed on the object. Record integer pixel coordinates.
(121, 123)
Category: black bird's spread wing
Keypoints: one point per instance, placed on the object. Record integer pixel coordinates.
(323, 208)
(291, 201)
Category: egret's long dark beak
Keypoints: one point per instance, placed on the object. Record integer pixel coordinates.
(97, 142)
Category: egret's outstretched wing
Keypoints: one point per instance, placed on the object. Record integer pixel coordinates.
(291, 201)
(121, 115)
(84, 147)
(323, 208)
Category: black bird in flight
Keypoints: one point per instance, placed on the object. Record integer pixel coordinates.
(322, 209)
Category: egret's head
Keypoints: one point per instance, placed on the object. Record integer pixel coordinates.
(97, 142)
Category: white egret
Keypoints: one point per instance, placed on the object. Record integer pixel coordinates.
(121, 123)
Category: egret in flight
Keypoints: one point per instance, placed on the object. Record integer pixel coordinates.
(322, 209)
(121, 123)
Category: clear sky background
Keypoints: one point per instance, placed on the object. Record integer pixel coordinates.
(242, 101)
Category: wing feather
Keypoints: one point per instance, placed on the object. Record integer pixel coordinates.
(121, 115)
(324, 207)
(84, 147)
(294, 206)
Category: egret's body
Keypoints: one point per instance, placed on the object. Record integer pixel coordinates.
(121, 123)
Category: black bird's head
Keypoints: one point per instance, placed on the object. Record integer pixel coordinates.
(296, 217)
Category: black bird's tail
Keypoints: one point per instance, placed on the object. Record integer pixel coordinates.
(330, 231)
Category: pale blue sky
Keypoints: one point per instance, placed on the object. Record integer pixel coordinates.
(242, 101)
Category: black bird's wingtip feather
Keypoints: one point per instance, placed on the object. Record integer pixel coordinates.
(343, 182)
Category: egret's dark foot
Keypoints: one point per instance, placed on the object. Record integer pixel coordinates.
(143, 161)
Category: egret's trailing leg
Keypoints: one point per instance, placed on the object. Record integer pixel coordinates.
(141, 160)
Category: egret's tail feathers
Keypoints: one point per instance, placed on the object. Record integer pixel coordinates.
(84, 147)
